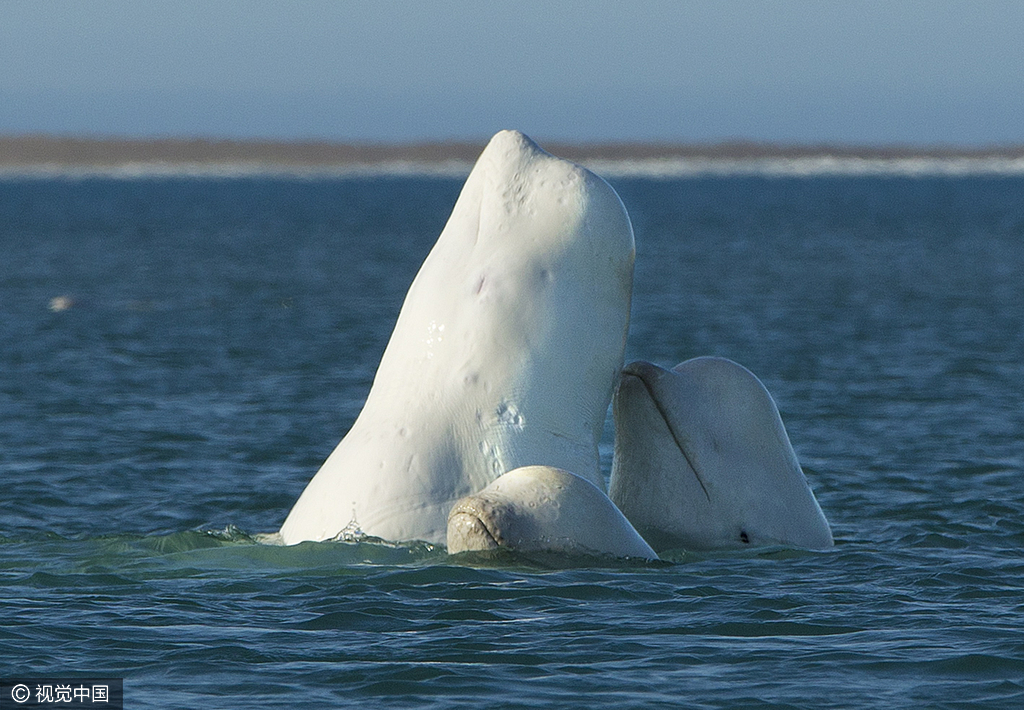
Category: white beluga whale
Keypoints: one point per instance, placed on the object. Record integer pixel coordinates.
(505, 352)
(542, 508)
(702, 461)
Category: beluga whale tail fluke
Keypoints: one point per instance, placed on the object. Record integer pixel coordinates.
(703, 461)
(543, 509)
(505, 352)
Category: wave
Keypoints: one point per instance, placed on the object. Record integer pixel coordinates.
(811, 166)
(156, 170)
(668, 167)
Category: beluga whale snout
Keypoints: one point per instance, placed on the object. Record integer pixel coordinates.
(504, 355)
(703, 461)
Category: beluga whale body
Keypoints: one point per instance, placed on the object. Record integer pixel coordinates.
(703, 461)
(505, 352)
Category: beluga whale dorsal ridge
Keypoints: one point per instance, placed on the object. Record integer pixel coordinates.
(543, 509)
(703, 461)
(505, 352)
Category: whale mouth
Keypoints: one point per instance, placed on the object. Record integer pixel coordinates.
(641, 371)
(467, 532)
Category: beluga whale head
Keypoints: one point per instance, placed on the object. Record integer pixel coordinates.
(702, 461)
(505, 352)
(543, 509)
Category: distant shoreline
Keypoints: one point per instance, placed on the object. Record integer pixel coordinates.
(46, 154)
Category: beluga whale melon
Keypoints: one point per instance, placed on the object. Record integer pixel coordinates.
(505, 353)
(703, 461)
(543, 509)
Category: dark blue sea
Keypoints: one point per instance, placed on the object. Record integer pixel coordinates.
(213, 338)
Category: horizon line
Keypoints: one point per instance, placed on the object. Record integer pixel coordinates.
(26, 149)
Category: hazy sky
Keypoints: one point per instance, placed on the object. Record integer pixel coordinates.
(919, 71)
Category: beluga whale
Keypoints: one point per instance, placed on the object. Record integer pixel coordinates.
(505, 353)
(702, 461)
(543, 509)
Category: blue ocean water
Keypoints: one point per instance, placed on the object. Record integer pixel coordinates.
(217, 338)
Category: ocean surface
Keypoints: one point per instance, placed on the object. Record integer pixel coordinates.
(178, 354)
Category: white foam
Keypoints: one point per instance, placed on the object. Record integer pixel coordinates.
(810, 166)
(670, 167)
(230, 170)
